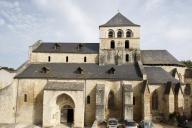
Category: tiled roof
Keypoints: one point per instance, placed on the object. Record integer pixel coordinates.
(90, 71)
(119, 20)
(71, 86)
(82, 48)
(158, 57)
(157, 75)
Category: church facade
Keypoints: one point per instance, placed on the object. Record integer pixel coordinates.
(83, 83)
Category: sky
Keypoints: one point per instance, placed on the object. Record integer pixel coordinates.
(165, 24)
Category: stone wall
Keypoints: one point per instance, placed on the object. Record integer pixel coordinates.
(61, 58)
(105, 41)
(6, 78)
(8, 103)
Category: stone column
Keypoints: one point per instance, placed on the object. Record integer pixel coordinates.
(128, 102)
(100, 111)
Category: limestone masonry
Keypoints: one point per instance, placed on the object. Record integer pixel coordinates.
(83, 83)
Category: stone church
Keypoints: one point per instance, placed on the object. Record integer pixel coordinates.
(83, 83)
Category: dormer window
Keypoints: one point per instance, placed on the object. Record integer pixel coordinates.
(120, 34)
(111, 34)
(111, 71)
(79, 46)
(44, 70)
(56, 46)
(79, 70)
(129, 33)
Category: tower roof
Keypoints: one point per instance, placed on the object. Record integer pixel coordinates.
(118, 20)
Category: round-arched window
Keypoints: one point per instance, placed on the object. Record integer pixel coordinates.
(120, 34)
(129, 33)
(111, 34)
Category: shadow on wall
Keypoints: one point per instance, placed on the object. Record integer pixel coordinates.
(38, 109)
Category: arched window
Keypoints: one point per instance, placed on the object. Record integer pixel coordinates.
(49, 58)
(127, 57)
(85, 59)
(111, 34)
(67, 58)
(25, 97)
(129, 33)
(112, 44)
(111, 100)
(120, 34)
(155, 100)
(88, 100)
(127, 44)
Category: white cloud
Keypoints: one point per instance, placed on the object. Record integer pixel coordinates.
(164, 24)
(2, 22)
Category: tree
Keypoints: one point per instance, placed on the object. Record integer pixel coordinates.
(187, 63)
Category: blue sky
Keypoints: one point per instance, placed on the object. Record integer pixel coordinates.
(165, 24)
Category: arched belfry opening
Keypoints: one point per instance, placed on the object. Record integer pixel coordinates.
(66, 106)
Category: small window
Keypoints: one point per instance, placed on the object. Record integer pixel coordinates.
(120, 34)
(129, 33)
(67, 58)
(88, 100)
(133, 100)
(111, 34)
(127, 57)
(49, 59)
(85, 59)
(25, 97)
(112, 44)
(127, 44)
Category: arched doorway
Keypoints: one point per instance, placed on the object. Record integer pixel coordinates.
(66, 106)
(67, 115)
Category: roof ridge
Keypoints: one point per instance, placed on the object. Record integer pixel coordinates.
(118, 20)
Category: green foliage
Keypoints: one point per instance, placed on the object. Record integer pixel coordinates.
(187, 63)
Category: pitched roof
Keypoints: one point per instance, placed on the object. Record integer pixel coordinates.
(157, 75)
(118, 20)
(158, 57)
(90, 71)
(82, 48)
(71, 86)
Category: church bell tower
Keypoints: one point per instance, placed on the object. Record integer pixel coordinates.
(119, 41)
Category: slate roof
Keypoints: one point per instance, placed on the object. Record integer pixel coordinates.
(157, 75)
(117, 21)
(71, 86)
(86, 48)
(188, 73)
(158, 57)
(90, 71)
